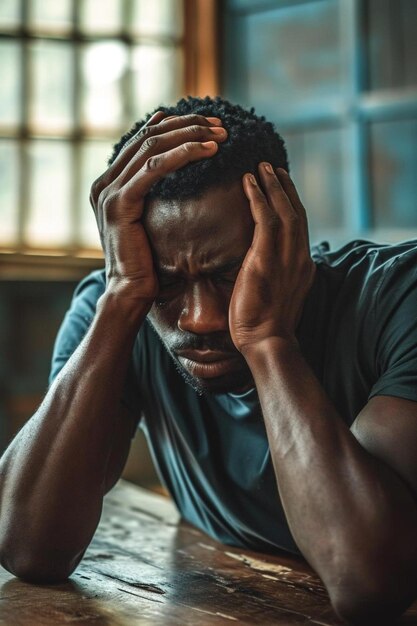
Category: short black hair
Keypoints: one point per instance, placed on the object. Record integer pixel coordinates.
(251, 139)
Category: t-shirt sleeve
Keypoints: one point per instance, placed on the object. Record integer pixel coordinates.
(396, 331)
(76, 321)
(75, 325)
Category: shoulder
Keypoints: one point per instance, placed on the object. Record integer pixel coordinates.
(358, 251)
(369, 264)
(77, 319)
(88, 291)
(373, 288)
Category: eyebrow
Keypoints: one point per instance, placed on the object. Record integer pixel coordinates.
(221, 268)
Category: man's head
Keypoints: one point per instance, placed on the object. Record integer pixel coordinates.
(200, 226)
(250, 140)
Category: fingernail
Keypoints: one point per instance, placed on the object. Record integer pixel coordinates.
(214, 120)
(208, 144)
(218, 130)
(268, 168)
(252, 180)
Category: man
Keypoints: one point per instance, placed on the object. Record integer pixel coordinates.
(277, 385)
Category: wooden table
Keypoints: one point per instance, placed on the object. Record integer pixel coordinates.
(144, 567)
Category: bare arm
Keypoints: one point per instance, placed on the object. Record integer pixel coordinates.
(352, 515)
(55, 473)
(349, 497)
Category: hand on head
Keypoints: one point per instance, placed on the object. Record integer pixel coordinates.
(162, 146)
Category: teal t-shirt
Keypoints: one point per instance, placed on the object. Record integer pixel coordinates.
(358, 332)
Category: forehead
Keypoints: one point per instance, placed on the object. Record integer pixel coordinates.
(204, 228)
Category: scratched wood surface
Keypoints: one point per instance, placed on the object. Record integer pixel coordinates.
(144, 567)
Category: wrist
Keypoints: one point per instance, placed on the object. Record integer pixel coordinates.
(270, 348)
(130, 311)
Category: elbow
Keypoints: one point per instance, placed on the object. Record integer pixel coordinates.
(377, 598)
(37, 568)
(367, 608)
(373, 582)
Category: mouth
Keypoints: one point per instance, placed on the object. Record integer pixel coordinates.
(208, 363)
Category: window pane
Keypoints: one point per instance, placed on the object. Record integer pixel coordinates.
(52, 85)
(9, 13)
(10, 52)
(158, 17)
(104, 67)
(292, 57)
(49, 220)
(50, 14)
(94, 156)
(101, 16)
(9, 201)
(394, 173)
(157, 74)
(316, 165)
(392, 42)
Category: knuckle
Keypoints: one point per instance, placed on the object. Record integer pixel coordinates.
(152, 163)
(108, 202)
(188, 147)
(194, 129)
(194, 119)
(96, 188)
(149, 143)
(143, 132)
(138, 137)
(147, 146)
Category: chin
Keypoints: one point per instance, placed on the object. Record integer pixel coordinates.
(238, 382)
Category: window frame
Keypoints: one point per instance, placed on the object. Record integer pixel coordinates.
(359, 110)
(201, 77)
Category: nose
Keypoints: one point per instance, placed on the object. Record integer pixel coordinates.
(204, 311)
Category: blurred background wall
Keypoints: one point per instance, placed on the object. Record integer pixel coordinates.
(338, 77)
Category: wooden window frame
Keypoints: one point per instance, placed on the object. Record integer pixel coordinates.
(201, 56)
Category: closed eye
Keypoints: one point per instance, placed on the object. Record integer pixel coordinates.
(229, 277)
(169, 288)
(171, 284)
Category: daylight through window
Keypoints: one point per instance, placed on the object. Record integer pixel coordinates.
(75, 75)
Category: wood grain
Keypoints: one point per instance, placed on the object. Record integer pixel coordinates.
(146, 567)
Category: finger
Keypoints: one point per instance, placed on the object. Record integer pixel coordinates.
(213, 121)
(149, 130)
(157, 144)
(275, 193)
(146, 131)
(156, 118)
(282, 207)
(266, 221)
(170, 117)
(160, 165)
(291, 191)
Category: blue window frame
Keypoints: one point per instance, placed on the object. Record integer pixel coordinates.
(339, 79)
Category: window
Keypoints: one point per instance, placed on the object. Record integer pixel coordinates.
(339, 79)
(75, 75)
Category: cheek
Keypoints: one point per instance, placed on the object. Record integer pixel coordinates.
(164, 317)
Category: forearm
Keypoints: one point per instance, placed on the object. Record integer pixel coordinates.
(351, 516)
(53, 473)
